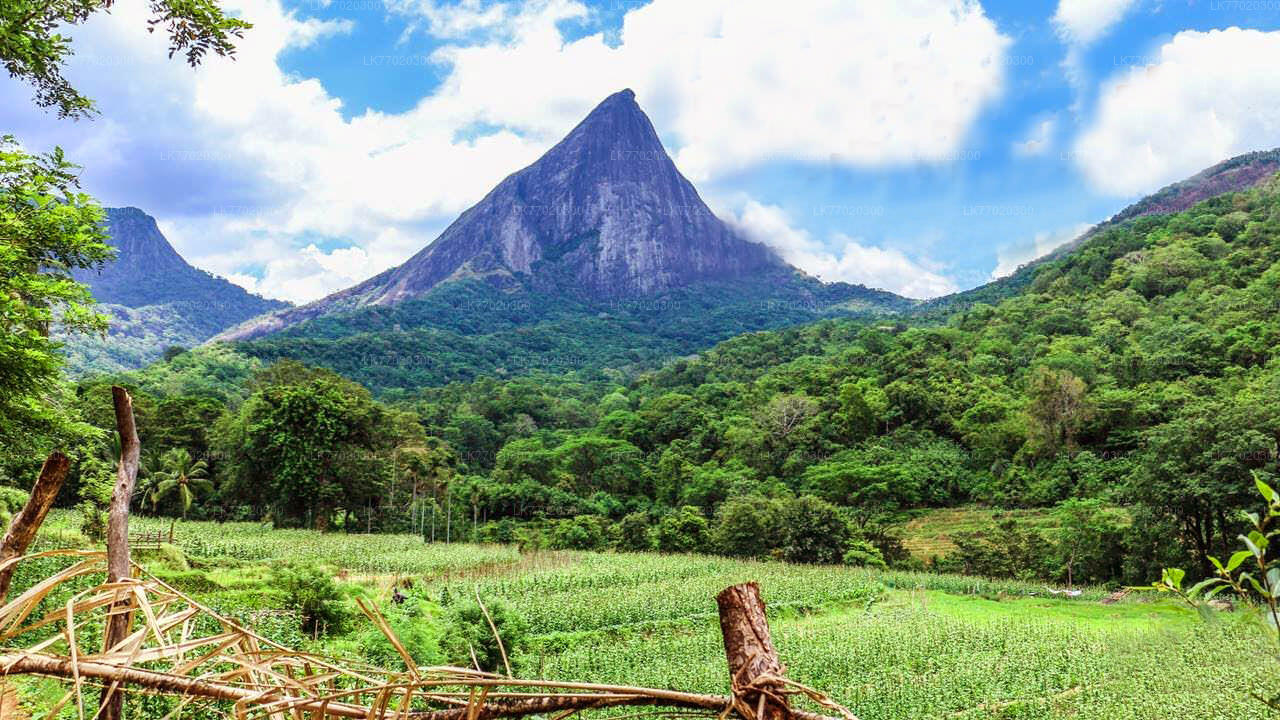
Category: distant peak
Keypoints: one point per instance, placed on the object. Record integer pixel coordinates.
(623, 101)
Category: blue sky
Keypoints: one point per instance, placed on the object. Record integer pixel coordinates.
(923, 146)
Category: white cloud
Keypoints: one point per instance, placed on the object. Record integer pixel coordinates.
(847, 260)
(456, 20)
(1209, 96)
(1038, 140)
(1081, 22)
(252, 163)
(1011, 257)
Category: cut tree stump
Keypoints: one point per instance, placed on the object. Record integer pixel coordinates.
(118, 540)
(755, 674)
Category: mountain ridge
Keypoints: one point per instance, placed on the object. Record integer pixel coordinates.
(1237, 173)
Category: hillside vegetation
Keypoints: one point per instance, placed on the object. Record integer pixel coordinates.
(1128, 390)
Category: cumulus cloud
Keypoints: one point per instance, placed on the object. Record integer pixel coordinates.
(1038, 140)
(1081, 22)
(843, 259)
(1011, 257)
(1207, 96)
(250, 162)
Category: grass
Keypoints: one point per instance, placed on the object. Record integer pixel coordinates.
(931, 534)
(887, 644)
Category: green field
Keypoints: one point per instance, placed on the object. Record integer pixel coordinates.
(886, 644)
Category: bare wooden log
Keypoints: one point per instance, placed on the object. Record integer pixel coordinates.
(25, 525)
(754, 670)
(160, 682)
(117, 628)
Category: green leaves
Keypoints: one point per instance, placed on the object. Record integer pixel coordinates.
(32, 51)
(46, 231)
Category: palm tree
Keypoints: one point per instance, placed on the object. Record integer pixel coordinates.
(149, 479)
(182, 474)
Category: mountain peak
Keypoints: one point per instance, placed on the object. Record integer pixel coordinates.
(602, 215)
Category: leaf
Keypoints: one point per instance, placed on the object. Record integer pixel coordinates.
(1265, 489)
(1236, 558)
(1173, 577)
(1196, 589)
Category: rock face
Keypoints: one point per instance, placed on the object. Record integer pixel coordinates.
(1238, 173)
(604, 214)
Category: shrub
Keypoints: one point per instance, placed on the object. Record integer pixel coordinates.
(683, 530)
(469, 639)
(584, 532)
(748, 526)
(815, 531)
(633, 533)
(312, 592)
(861, 553)
(417, 624)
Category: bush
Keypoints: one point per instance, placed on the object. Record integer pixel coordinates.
(1004, 550)
(311, 592)
(469, 639)
(633, 533)
(417, 624)
(748, 526)
(682, 531)
(815, 531)
(861, 553)
(584, 532)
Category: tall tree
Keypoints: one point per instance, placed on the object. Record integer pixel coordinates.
(47, 229)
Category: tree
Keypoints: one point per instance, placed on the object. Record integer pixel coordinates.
(33, 50)
(308, 449)
(1089, 542)
(634, 533)
(1057, 407)
(182, 475)
(815, 531)
(682, 531)
(47, 229)
(749, 526)
(786, 413)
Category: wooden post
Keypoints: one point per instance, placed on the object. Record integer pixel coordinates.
(118, 538)
(754, 669)
(23, 528)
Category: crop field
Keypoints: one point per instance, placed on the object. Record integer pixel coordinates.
(886, 644)
(930, 535)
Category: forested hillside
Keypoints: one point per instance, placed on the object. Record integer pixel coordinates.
(1130, 386)
(154, 298)
(469, 329)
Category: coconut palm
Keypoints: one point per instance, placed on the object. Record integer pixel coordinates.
(181, 474)
(149, 479)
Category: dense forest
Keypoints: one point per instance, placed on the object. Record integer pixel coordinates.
(1129, 387)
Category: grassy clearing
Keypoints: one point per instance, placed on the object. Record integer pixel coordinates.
(931, 534)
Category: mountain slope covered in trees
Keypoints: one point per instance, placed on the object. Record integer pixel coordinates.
(154, 299)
